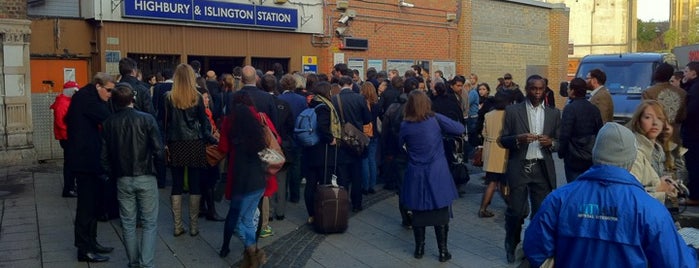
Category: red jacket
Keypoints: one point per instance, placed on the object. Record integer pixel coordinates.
(60, 108)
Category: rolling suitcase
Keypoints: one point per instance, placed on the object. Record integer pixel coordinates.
(331, 204)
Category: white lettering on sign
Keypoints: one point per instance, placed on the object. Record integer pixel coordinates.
(232, 13)
(154, 6)
(273, 17)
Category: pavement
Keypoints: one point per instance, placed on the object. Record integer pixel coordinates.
(36, 230)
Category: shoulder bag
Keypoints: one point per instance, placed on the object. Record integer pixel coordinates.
(272, 156)
(352, 139)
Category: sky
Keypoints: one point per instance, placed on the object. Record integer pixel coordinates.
(656, 10)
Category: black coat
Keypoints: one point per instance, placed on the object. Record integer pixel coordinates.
(143, 102)
(388, 97)
(581, 120)
(85, 115)
(448, 105)
(263, 101)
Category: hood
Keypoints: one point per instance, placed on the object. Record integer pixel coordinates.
(402, 98)
(609, 174)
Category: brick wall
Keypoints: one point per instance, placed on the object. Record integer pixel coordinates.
(519, 39)
(13, 9)
(401, 33)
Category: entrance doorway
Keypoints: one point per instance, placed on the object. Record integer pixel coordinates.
(154, 63)
(265, 64)
(220, 65)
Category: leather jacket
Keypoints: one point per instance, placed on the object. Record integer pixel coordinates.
(131, 144)
(188, 124)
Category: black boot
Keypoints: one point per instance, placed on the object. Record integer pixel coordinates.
(211, 213)
(440, 232)
(419, 233)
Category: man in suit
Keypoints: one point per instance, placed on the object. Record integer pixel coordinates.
(263, 101)
(352, 108)
(600, 96)
(530, 131)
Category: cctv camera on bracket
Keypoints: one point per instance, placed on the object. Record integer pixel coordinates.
(343, 19)
(402, 3)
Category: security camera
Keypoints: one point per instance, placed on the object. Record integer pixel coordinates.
(406, 4)
(340, 30)
(343, 19)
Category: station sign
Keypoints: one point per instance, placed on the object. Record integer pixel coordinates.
(206, 11)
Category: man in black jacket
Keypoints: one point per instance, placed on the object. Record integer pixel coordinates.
(580, 123)
(131, 143)
(263, 101)
(87, 111)
(352, 108)
(128, 68)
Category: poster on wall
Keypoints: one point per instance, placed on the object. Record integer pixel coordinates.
(338, 58)
(68, 74)
(447, 67)
(400, 65)
(112, 58)
(377, 64)
(357, 64)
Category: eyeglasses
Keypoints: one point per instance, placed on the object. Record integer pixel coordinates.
(108, 89)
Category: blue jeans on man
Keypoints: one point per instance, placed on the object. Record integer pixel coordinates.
(139, 195)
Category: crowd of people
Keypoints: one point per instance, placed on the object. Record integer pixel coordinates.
(121, 135)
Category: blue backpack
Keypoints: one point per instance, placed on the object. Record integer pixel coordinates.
(305, 130)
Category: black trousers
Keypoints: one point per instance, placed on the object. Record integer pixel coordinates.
(691, 161)
(350, 175)
(533, 187)
(89, 198)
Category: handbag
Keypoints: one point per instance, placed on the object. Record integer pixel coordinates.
(351, 138)
(213, 155)
(272, 156)
(478, 157)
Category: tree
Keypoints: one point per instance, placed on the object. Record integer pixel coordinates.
(671, 38)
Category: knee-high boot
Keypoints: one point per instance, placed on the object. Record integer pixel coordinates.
(419, 233)
(194, 201)
(441, 232)
(177, 214)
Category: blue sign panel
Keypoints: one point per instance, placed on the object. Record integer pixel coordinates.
(310, 68)
(206, 11)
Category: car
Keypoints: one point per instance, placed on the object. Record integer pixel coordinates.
(628, 75)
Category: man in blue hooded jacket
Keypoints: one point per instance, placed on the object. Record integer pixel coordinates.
(605, 218)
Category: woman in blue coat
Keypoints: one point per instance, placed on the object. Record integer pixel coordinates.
(428, 189)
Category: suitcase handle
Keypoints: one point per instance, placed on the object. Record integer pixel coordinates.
(333, 177)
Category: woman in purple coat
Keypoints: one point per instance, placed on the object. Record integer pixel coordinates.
(428, 188)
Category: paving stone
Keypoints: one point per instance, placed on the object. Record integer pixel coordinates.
(20, 263)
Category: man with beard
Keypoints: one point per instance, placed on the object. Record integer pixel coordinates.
(600, 95)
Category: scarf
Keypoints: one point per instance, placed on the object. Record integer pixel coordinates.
(335, 128)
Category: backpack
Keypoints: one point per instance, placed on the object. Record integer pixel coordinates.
(305, 129)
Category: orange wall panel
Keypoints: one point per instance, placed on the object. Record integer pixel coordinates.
(52, 70)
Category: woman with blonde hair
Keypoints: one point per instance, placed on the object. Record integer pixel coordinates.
(649, 124)
(428, 189)
(187, 131)
(369, 169)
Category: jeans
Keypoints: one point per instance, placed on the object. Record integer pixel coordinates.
(139, 195)
(369, 165)
(242, 218)
(68, 177)
(470, 146)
